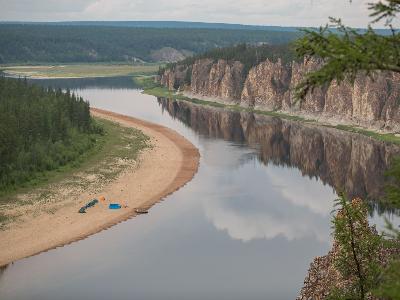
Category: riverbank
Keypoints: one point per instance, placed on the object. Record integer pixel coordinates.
(151, 88)
(168, 164)
(64, 71)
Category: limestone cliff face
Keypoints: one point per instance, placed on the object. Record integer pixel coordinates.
(174, 78)
(200, 75)
(219, 80)
(313, 103)
(369, 102)
(267, 86)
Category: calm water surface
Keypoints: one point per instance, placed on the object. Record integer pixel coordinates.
(246, 227)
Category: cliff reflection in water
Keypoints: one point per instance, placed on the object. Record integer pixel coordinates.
(348, 162)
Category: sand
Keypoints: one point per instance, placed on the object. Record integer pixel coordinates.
(161, 170)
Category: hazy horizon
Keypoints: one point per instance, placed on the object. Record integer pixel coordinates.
(294, 13)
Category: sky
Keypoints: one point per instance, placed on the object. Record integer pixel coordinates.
(255, 12)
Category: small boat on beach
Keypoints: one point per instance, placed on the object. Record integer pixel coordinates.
(92, 203)
(141, 211)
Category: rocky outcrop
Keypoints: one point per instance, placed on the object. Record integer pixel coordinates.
(267, 86)
(174, 78)
(368, 102)
(168, 54)
(313, 103)
(219, 80)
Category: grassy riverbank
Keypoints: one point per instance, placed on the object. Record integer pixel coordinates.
(114, 150)
(79, 70)
(152, 88)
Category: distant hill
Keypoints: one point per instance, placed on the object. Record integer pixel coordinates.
(179, 24)
(71, 42)
(128, 41)
(164, 24)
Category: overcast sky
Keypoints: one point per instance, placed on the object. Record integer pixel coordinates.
(260, 12)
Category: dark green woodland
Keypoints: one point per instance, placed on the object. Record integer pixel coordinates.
(35, 43)
(40, 130)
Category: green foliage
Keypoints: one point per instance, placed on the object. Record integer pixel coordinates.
(384, 137)
(390, 282)
(40, 130)
(358, 246)
(145, 82)
(385, 10)
(346, 52)
(56, 43)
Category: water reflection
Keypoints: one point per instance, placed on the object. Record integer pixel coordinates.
(246, 227)
(348, 162)
(270, 207)
(3, 269)
(119, 82)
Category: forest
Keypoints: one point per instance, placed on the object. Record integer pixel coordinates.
(40, 130)
(33, 43)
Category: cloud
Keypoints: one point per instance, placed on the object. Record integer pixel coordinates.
(302, 191)
(276, 203)
(267, 225)
(41, 7)
(262, 12)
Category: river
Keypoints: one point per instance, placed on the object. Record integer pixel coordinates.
(246, 227)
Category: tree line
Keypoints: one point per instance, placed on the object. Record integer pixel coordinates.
(40, 130)
(24, 43)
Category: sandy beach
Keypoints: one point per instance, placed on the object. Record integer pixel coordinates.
(170, 163)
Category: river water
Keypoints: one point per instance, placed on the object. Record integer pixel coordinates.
(246, 227)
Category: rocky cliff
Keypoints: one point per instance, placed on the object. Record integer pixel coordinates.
(220, 80)
(369, 102)
(174, 78)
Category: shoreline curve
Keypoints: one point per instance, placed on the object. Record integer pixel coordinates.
(179, 161)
